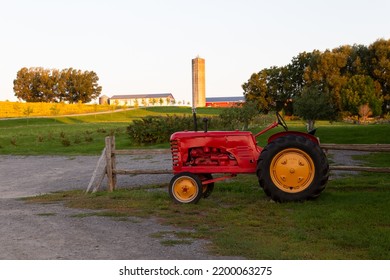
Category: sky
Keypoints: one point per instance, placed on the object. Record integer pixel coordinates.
(141, 47)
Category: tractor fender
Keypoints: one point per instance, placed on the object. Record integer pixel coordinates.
(283, 133)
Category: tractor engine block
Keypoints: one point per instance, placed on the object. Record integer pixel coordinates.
(210, 156)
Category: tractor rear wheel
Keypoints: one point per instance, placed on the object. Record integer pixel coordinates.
(185, 187)
(292, 168)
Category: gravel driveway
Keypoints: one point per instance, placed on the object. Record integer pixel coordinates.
(36, 231)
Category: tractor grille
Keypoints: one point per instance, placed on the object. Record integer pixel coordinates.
(175, 152)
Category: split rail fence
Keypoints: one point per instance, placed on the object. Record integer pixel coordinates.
(109, 156)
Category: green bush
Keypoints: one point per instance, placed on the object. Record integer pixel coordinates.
(157, 129)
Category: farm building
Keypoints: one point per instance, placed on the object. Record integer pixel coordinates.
(224, 101)
(143, 99)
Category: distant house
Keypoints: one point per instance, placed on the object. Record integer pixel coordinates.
(224, 101)
(156, 99)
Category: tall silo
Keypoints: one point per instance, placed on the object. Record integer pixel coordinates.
(198, 82)
(103, 100)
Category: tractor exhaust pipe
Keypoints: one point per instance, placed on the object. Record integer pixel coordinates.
(195, 120)
(205, 120)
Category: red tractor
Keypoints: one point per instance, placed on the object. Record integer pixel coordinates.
(291, 167)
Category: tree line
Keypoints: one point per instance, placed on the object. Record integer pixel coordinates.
(333, 83)
(70, 85)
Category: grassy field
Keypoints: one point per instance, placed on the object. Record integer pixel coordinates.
(85, 134)
(24, 109)
(67, 135)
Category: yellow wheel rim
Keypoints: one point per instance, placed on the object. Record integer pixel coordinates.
(185, 189)
(292, 170)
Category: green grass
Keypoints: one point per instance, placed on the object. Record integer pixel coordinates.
(85, 134)
(75, 135)
(339, 133)
(58, 138)
(355, 134)
(66, 135)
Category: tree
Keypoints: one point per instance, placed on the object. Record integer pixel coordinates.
(27, 112)
(313, 105)
(358, 61)
(330, 71)
(296, 69)
(45, 85)
(239, 115)
(361, 90)
(256, 90)
(364, 112)
(30, 85)
(279, 85)
(380, 68)
(325, 71)
(21, 84)
(82, 86)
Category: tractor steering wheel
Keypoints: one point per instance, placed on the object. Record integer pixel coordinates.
(281, 121)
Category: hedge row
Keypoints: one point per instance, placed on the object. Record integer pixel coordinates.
(157, 129)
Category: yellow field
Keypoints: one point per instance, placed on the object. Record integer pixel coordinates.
(39, 109)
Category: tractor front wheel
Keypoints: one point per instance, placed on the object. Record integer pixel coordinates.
(208, 188)
(185, 187)
(292, 168)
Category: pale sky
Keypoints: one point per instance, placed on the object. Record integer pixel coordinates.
(146, 46)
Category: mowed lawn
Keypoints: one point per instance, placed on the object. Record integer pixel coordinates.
(85, 134)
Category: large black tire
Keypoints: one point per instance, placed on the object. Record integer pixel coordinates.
(292, 168)
(185, 187)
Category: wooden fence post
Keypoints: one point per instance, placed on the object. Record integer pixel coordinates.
(113, 162)
(95, 172)
(109, 164)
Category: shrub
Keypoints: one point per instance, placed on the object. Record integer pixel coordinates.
(65, 142)
(13, 141)
(77, 139)
(157, 129)
(239, 116)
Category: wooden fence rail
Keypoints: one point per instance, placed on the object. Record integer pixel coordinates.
(362, 148)
(110, 152)
(357, 147)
